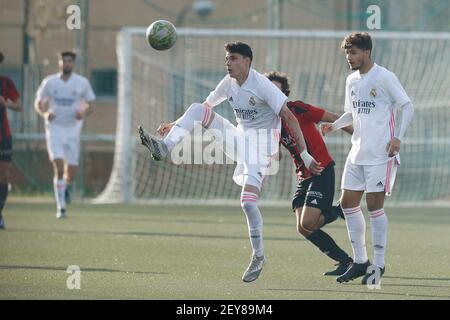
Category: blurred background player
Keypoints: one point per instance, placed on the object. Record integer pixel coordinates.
(258, 106)
(372, 94)
(63, 100)
(313, 198)
(9, 98)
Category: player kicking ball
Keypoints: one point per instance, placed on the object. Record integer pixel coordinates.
(372, 95)
(313, 198)
(259, 107)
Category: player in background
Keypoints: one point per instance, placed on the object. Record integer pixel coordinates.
(9, 99)
(313, 198)
(63, 100)
(372, 96)
(259, 107)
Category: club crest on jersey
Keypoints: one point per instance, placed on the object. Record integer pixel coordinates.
(373, 92)
(252, 101)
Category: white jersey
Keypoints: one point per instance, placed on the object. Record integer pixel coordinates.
(65, 99)
(372, 99)
(256, 104)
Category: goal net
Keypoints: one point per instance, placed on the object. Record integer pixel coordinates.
(157, 86)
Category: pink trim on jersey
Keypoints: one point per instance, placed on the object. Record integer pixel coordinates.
(350, 211)
(387, 185)
(206, 116)
(277, 135)
(376, 213)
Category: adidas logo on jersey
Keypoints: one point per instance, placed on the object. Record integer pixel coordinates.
(314, 201)
(380, 184)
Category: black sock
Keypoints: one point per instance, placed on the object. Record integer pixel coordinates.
(326, 244)
(3, 196)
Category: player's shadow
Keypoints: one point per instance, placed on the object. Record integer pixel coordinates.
(290, 224)
(83, 269)
(367, 291)
(160, 234)
(416, 278)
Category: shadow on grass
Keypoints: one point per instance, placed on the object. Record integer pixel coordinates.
(338, 292)
(83, 269)
(416, 278)
(155, 234)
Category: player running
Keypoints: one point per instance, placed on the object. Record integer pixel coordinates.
(372, 96)
(313, 198)
(259, 107)
(63, 100)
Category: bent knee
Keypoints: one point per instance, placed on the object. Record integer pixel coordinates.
(308, 225)
(303, 231)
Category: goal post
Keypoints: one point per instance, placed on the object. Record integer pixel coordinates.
(157, 86)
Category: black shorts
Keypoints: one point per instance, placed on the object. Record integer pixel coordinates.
(6, 149)
(316, 192)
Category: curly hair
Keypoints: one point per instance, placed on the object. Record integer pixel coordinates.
(281, 78)
(360, 40)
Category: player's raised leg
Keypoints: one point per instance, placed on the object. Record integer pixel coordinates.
(196, 113)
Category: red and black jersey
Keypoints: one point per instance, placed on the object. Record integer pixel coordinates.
(308, 116)
(7, 91)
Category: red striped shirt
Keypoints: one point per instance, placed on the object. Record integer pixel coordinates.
(308, 116)
(7, 91)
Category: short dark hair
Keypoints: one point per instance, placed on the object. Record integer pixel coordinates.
(1, 57)
(361, 40)
(281, 78)
(239, 47)
(68, 53)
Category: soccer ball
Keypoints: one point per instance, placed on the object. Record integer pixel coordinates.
(161, 35)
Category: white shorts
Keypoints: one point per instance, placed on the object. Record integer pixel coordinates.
(256, 156)
(370, 178)
(62, 147)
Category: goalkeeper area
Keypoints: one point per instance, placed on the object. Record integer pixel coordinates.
(200, 252)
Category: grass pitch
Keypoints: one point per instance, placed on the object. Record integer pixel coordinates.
(200, 252)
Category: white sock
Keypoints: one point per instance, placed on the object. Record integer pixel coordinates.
(254, 221)
(59, 187)
(196, 112)
(379, 224)
(356, 227)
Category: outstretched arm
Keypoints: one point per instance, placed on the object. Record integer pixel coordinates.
(344, 121)
(291, 121)
(331, 117)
